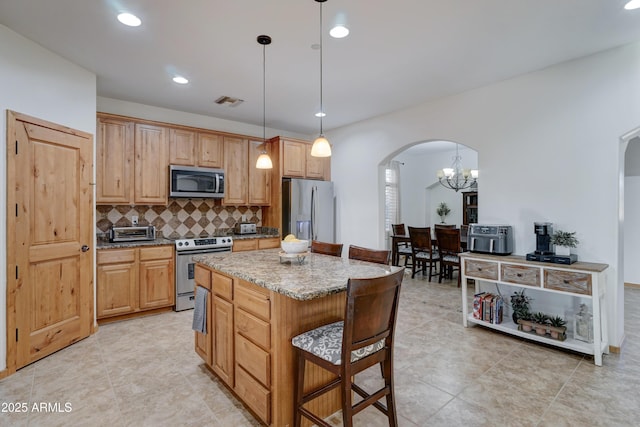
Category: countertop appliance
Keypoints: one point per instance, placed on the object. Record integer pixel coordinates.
(490, 239)
(308, 209)
(132, 234)
(185, 267)
(245, 228)
(195, 182)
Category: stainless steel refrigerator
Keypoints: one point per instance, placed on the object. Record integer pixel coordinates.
(308, 209)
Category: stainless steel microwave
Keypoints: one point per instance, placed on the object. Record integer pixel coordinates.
(195, 182)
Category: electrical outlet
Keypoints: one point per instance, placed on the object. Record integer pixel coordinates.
(134, 220)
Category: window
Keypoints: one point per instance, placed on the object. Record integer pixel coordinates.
(391, 195)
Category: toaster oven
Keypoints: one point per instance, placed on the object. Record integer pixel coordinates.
(132, 234)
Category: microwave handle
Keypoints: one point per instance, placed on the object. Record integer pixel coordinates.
(217, 183)
(491, 245)
(473, 243)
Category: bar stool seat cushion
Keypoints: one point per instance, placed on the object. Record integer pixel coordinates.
(326, 343)
(451, 258)
(424, 255)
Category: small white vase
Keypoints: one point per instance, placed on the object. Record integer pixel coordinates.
(563, 250)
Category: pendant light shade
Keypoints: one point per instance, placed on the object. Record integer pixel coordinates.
(321, 146)
(264, 161)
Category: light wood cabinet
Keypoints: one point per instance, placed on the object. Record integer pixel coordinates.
(210, 150)
(182, 147)
(114, 157)
(203, 342)
(192, 148)
(134, 280)
(151, 164)
(259, 179)
(132, 162)
(116, 290)
(297, 161)
(222, 327)
(240, 245)
(156, 277)
(236, 163)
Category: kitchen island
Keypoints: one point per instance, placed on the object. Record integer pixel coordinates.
(256, 304)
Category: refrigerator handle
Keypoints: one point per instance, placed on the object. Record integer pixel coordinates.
(314, 233)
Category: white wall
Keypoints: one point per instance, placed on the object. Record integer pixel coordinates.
(35, 82)
(548, 149)
(631, 229)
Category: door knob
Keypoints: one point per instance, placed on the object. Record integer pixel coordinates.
(84, 248)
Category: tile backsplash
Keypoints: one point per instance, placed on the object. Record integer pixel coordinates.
(181, 218)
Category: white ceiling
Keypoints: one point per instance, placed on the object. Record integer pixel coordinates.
(399, 53)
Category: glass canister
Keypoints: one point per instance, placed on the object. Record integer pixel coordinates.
(583, 325)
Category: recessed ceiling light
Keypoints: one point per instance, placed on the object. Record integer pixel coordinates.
(632, 4)
(181, 80)
(320, 114)
(339, 31)
(129, 19)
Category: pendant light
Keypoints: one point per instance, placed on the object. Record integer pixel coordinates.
(264, 161)
(321, 147)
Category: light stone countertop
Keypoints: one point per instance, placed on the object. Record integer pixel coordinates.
(319, 275)
(105, 244)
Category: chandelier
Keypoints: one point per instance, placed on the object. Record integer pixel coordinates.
(456, 177)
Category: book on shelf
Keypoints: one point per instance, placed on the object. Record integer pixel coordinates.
(477, 305)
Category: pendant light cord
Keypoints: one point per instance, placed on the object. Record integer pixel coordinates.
(264, 94)
(321, 105)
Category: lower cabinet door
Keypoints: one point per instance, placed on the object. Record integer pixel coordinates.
(254, 395)
(156, 284)
(223, 339)
(116, 290)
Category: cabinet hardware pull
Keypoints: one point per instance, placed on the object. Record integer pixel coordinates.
(519, 274)
(479, 268)
(566, 282)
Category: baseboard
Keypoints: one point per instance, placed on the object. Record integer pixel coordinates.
(632, 285)
(5, 373)
(617, 349)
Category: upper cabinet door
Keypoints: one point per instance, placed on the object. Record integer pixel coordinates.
(259, 179)
(210, 150)
(315, 165)
(182, 147)
(151, 166)
(236, 158)
(114, 157)
(293, 158)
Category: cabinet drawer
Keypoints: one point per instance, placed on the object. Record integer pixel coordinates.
(254, 395)
(245, 245)
(252, 301)
(568, 281)
(254, 360)
(222, 285)
(203, 277)
(481, 269)
(116, 256)
(156, 252)
(520, 274)
(253, 328)
(269, 243)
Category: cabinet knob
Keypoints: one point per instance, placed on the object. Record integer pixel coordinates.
(566, 282)
(519, 274)
(479, 268)
(84, 248)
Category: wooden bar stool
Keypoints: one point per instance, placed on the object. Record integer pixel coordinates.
(333, 249)
(379, 256)
(362, 340)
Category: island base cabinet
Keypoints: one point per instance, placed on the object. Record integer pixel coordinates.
(257, 397)
(223, 339)
(203, 342)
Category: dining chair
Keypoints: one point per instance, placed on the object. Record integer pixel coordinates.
(423, 254)
(441, 226)
(449, 247)
(401, 247)
(345, 348)
(464, 231)
(379, 256)
(333, 249)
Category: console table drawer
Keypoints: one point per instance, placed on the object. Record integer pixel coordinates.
(481, 269)
(568, 281)
(520, 275)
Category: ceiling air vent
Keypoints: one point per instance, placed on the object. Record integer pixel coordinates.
(229, 101)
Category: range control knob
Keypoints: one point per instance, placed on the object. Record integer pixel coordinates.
(186, 243)
(179, 243)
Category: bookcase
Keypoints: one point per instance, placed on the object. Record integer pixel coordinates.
(469, 207)
(582, 281)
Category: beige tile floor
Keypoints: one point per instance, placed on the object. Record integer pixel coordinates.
(144, 372)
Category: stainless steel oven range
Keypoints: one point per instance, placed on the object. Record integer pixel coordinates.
(185, 267)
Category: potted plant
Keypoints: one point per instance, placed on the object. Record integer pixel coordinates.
(525, 323)
(443, 210)
(541, 321)
(557, 327)
(564, 241)
(519, 305)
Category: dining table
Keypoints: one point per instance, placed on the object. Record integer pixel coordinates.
(404, 238)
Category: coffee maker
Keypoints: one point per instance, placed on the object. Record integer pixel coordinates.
(544, 251)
